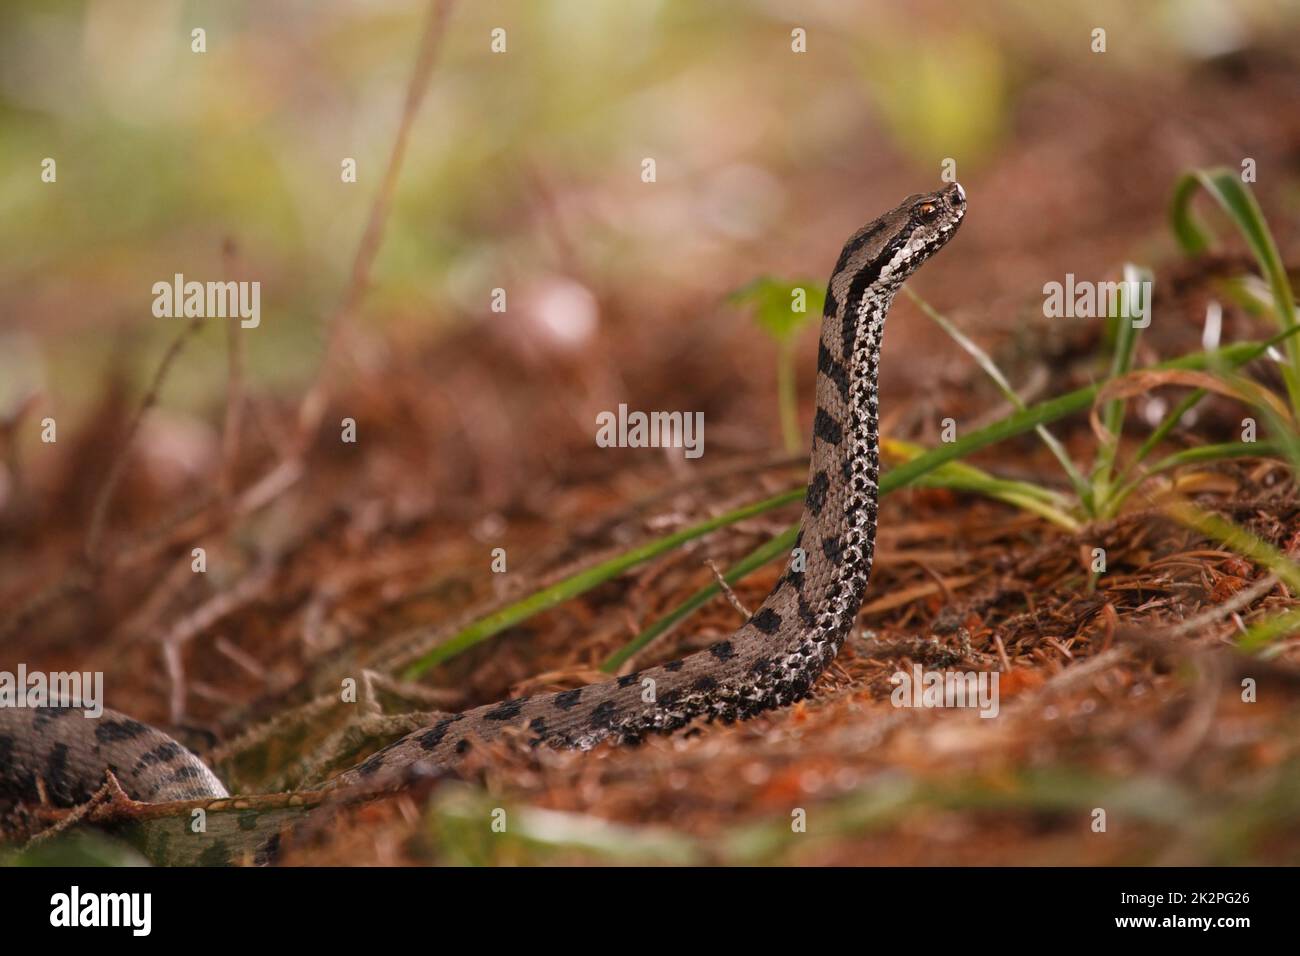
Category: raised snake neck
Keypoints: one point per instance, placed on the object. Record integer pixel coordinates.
(54, 755)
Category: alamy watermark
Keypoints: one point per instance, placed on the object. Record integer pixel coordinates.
(82, 690)
(209, 300)
(626, 429)
(921, 688)
(1084, 299)
(75, 908)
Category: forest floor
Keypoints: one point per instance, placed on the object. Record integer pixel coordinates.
(1130, 728)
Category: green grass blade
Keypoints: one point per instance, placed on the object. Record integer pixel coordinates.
(1248, 545)
(1167, 425)
(782, 544)
(991, 369)
(1237, 539)
(787, 397)
(585, 580)
(1219, 452)
(960, 476)
(1171, 420)
(1132, 304)
(1227, 189)
(1201, 453)
(1264, 632)
(1015, 493)
(1282, 430)
(1242, 389)
(1188, 229)
(1012, 425)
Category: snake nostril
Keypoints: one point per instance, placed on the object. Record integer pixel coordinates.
(958, 195)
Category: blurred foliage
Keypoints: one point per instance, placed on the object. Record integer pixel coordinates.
(945, 97)
(82, 848)
(782, 309)
(164, 154)
(776, 304)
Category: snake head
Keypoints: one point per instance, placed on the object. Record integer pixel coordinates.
(887, 250)
(925, 222)
(940, 213)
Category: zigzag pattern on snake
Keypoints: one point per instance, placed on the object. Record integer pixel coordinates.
(55, 755)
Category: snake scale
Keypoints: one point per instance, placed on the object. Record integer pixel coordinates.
(56, 756)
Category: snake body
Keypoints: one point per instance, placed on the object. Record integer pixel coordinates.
(54, 755)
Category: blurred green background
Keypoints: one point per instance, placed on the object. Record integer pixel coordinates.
(518, 164)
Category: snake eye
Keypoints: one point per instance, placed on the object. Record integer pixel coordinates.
(927, 211)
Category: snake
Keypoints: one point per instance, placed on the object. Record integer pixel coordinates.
(53, 755)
